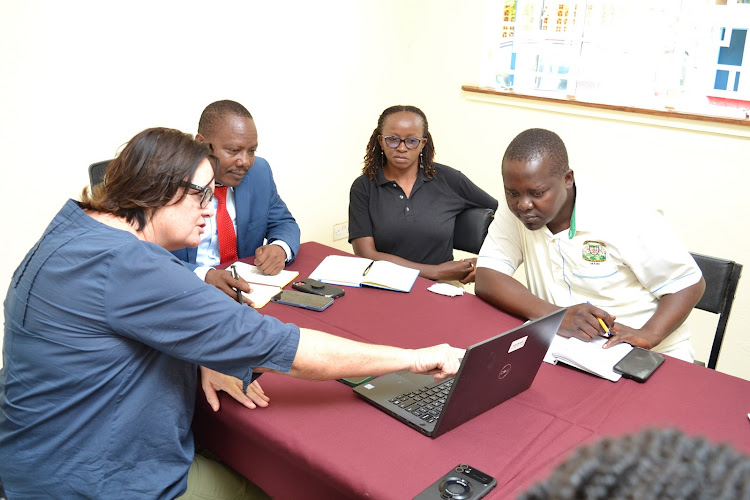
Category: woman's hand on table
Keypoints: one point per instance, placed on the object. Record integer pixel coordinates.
(440, 361)
(213, 381)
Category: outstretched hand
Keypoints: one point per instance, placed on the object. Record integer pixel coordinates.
(213, 381)
(440, 361)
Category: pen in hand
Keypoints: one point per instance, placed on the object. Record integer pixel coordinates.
(601, 322)
(236, 276)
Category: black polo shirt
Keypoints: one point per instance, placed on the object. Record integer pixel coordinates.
(418, 228)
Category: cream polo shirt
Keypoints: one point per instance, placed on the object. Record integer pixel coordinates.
(622, 258)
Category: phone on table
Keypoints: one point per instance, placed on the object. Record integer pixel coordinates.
(316, 287)
(301, 299)
(639, 364)
(463, 481)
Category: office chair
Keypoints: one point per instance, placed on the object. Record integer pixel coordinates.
(471, 228)
(722, 277)
(96, 172)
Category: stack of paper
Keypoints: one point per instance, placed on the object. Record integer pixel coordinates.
(264, 286)
(357, 271)
(587, 356)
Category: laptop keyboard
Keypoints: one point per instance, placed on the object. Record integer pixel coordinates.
(425, 403)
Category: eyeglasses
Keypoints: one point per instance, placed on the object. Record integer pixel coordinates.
(207, 195)
(393, 142)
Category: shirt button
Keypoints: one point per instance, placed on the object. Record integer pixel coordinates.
(407, 209)
(395, 185)
(402, 196)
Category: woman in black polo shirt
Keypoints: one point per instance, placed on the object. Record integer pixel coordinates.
(404, 205)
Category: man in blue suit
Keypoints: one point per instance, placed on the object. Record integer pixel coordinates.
(258, 213)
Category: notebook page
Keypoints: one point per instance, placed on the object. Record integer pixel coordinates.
(252, 274)
(341, 270)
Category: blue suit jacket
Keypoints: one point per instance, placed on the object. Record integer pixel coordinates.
(261, 213)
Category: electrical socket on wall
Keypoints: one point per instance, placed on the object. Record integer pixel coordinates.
(340, 231)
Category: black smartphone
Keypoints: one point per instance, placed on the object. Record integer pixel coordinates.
(463, 481)
(355, 381)
(316, 287)
(639, 364)
(301, 299)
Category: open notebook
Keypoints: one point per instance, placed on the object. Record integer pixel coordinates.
(587, 356)
(264, 286)
(357, 271)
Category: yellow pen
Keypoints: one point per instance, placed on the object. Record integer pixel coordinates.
(601, 322)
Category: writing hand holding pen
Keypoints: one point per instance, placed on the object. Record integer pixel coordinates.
(607, 334)
(584, 322)
(237, 277)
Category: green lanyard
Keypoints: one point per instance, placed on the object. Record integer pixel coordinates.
(572, 230)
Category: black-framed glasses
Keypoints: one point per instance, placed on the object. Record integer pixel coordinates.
(207, 193)
(393, 141)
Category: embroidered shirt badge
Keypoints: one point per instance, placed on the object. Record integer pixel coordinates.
(594, 251)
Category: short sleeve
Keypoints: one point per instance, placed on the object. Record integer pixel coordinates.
(360, 225)
(657, 256)
(502, 250)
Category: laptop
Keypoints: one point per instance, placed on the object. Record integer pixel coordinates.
(491, 372)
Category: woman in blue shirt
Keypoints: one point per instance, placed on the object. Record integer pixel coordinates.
(105, 330)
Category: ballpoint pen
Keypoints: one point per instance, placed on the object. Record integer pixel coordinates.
(236, 276)
(367, 269)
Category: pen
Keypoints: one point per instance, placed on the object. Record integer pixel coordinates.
(601, 322)
(367, 269)
(239, 292)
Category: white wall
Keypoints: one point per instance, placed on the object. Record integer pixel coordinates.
(80, 78)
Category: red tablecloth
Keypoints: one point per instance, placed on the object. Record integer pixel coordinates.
(318, 440)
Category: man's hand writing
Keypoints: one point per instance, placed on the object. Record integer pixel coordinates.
(581, 321)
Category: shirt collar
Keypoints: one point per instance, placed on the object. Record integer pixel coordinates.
(421, 177)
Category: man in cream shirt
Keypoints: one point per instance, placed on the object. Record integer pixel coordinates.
(595, 254)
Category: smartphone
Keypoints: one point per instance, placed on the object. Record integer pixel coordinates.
(639, 364)
(355, 381)
(463, 481)
(304, 300)
(316, 287)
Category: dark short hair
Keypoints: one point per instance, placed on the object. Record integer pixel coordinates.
(147, 173)
(538, 143)
(653, 464)
(374, 158)
(212, 117)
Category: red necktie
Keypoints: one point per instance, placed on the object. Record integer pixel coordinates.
(227, 237)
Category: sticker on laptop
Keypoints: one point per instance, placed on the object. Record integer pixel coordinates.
(368, 386)
(517, 344)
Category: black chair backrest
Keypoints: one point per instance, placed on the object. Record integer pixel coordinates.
(471, 228)
(722, 277)
(96, 172)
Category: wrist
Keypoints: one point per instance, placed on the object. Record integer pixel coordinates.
(648, 338)
(412, 359)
